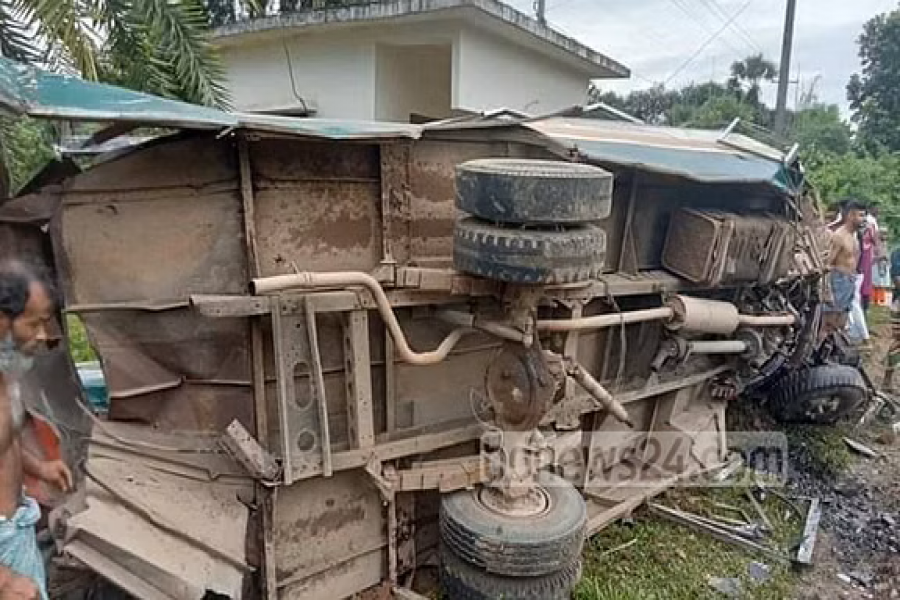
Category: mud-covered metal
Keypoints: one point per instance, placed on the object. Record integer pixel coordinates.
(520, 386)
(692, 153)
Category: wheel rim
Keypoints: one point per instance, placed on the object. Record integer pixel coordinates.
(533, 504)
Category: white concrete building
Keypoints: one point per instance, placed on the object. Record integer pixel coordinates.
(407, 60)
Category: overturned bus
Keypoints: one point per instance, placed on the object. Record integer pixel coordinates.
(337, 352)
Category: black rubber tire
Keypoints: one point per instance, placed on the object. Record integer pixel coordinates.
(819, 395)
(462, 581)
(529, 256)
(516, 546)
(537, 192)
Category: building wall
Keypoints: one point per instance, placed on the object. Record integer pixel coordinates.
(413, 79)
(492, 73)
(334, 76)
(386, 73)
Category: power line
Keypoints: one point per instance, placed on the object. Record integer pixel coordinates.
(562, 29)
(717, 10)
(701, 25)
(709, 41)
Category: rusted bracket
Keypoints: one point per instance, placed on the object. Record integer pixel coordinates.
(389, 496)
(385, 487)
(244, 448)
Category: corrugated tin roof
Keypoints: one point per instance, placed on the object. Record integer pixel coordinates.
(28, 90)
(701, 155)
(706, 156)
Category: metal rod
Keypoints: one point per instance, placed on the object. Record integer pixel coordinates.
(605, 321)
(766, 320)
(593, 387)
(468, 320)
(717, 347)
(307, 280)
(318, 379)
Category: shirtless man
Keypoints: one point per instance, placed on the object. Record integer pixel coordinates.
(843, 264)
(26, 310)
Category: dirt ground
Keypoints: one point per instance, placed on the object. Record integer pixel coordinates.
(858, 555)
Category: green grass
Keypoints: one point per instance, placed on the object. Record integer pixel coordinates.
(825, 446)
(878, 317)
(79, 345)
(671, 562)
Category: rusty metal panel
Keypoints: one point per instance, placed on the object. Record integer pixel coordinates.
(713, 247)
(317, 206)
(145, 229)
(330, 537)
(428, 396)
(197, 162)
(433, 190)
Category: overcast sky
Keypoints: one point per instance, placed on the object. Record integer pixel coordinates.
(655, 38)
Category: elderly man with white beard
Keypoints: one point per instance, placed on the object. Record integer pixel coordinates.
(26, 312)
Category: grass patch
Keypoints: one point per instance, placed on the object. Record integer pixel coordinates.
(878, 317)
(824, 447)
(79, 345)
(671, 562)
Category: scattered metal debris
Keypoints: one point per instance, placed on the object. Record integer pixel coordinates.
(735, 464)
(736, 510)
(763, 517)
(860, 448)
(759, 572)
(619, 548)
(716, 531)
(810, 532)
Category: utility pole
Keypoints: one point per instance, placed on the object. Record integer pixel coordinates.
(784, 76)
(540, 7)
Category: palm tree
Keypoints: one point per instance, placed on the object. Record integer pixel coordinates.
(752, 70)
(157, 46)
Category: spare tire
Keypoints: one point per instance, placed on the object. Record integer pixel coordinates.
(529, 256)
(462, 581)
(537, 192)
(820, 395)
(516, 545)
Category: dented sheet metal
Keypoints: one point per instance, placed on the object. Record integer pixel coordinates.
(28, 90)
(133, 532)
(692, 153)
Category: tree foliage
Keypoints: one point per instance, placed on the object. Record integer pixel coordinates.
(26, 147)
(159, 46)
(874, 94)
(747, 74)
